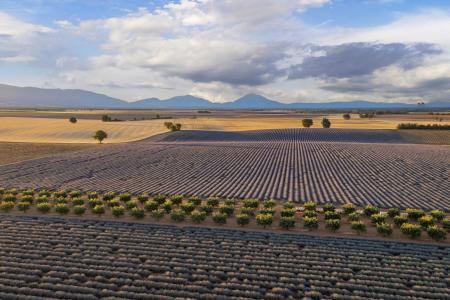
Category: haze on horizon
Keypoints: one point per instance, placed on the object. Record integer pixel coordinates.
(288, 50)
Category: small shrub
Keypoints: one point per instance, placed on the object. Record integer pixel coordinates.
(9, 198)
(23, 206)
(310, 222)
(188, 207)
(226, 209)
(307, 123)
(137, 212)
(371, 210)
(392, 212)
(326, 123)
(346, 116)
(74, 194)
(158, 214)
(6, 206)
(212, 201)
(270, 203)
(358, 226)
(253, 203)
(118, 211)
(384, 229)
(446, 224)
(242, 219)
(348, 208)
(195, 200)
(400, 220)
(178, 215)
(264, 219)
(330, 215)
(310, 205)
(114, 202)
(92, 195)
(60, 193)
(248, 211)
(61, 200)
(219, 218)
(167, 206)
(287, 222)
(378, 218)
(125, 197)
(198, 216)
(27, 198)
(354, 216)
(411, 230)
(266, 211)
(230, 202)
(42, 199)
(426, 221)
(288, 212)
(329, 207)
(208, 209)
(62, 208)
(131, 204)
(142, 198)
(160, 199)
(333, 224)
(436, 233)
(151, 205)
(43, 207)
(77, 201)
(79, 209)
(310, 214)
(98, 209)
(94, 202)
(289, 204)
(437, 214)
(12, 192)
(414, 213)
(107, 196)
(176, 199)
(29, 192)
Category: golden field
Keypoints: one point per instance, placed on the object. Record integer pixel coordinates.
(60, 130)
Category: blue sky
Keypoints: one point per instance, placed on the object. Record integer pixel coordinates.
(288, 50)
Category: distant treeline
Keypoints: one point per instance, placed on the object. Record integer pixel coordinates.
(419, 126)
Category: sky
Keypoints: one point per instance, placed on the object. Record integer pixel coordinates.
(286, 50)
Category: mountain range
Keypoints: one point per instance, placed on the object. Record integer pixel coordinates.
(31, 97)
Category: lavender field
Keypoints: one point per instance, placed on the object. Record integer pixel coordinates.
(300, 165)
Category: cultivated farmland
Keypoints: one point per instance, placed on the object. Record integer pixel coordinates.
(68, 259)
(300, 165)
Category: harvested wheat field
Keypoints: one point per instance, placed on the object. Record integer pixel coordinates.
(55, 258)
(299, 164)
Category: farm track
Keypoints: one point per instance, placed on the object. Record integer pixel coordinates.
(298, 165)
(53, 258)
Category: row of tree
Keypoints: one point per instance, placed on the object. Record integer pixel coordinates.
(309, 122)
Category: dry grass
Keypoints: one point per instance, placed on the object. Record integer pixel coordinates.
(60, 130)
(16, 152)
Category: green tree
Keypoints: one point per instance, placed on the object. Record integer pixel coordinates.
(100, 135)
(346, 116)
(307, 123)
(73, 120)
(326, 123)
